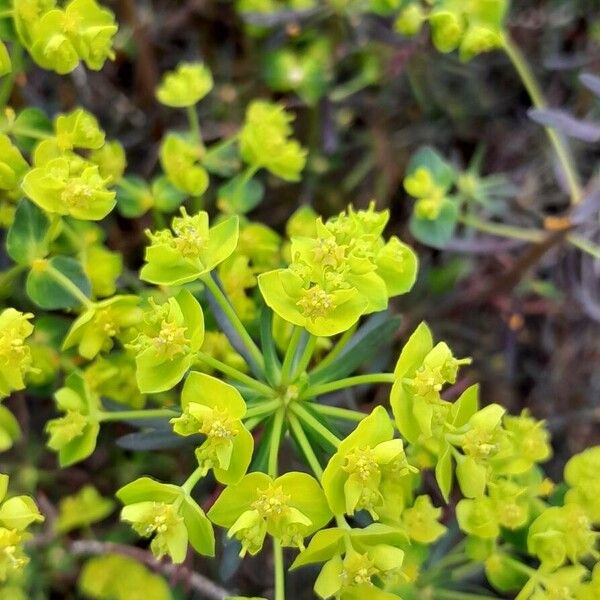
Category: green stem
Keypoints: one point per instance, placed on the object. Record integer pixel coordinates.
(519, 566)
(68, 285)
(6, 277)
(30, 133)
(315, 424)
(340, 384)
(133, 415)
(290, 354)
(305, 357)
(535, 93)
(502, 230)
(235, 374)
(192, 116)
(230, 313)
(4, 14)
(279, 570)
(215, 148)
(252, 423)
(584, 245)
(262, 409)
(275, 442)
(305, 446)
(193, 479)
(337, 349)
(338, 413)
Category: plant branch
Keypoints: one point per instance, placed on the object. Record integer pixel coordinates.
(199, 583)
(561, 149)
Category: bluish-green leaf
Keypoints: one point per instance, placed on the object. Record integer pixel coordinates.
(27, 237)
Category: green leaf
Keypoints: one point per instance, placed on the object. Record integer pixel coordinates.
(167, 198)
(147, 489)
(466, 406)
(32, 120)
(27, 237)
(199, 528)
(323, 545)
(45, 291)
(443, 472)
(10, 431)
(377, 331)
(428, 158)
(239, 195)
(133, 197)
(436, 232)
(222, 160)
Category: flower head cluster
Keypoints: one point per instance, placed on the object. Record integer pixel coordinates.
(64, 182)
(185, 86)
(471, 27)
(355, 560)
(582, 474)
(288, 508)
(215, 409)
(59, 38)
(189, 250)
(265, 141)
(369, 470)
(168, 515)
(74, 434)
(344, 271)
(12, 168)
(180, 158)
(15, 355)
(170, 336)
(16, 515)
(94, 330)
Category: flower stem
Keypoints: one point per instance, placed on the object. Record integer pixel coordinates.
(338, 412)
(30, 133)
(279, 570)
(290, 354)
(235, 374)
(193, 479)
(305, 357)
(262, 409)
(192, 116)
(230, 313)
(325, 388)
(535, 93)
(133, 415)
(305, 446)
(315, 424)
(502, 230)
(68, 285)
(584, 245)
(275, 442)
(337, 349)
(4, 14)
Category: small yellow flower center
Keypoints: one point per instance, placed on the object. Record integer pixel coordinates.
(361, 463)
(272, 502)
(171, 340)
(219, 425)
(76, 194)
(315, 303)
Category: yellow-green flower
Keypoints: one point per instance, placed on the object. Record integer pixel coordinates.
(185, 86)
(214, 409)
(289, 508)
(189, 250)
(15, 355)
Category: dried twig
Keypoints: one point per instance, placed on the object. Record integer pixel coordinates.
(197, 582)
